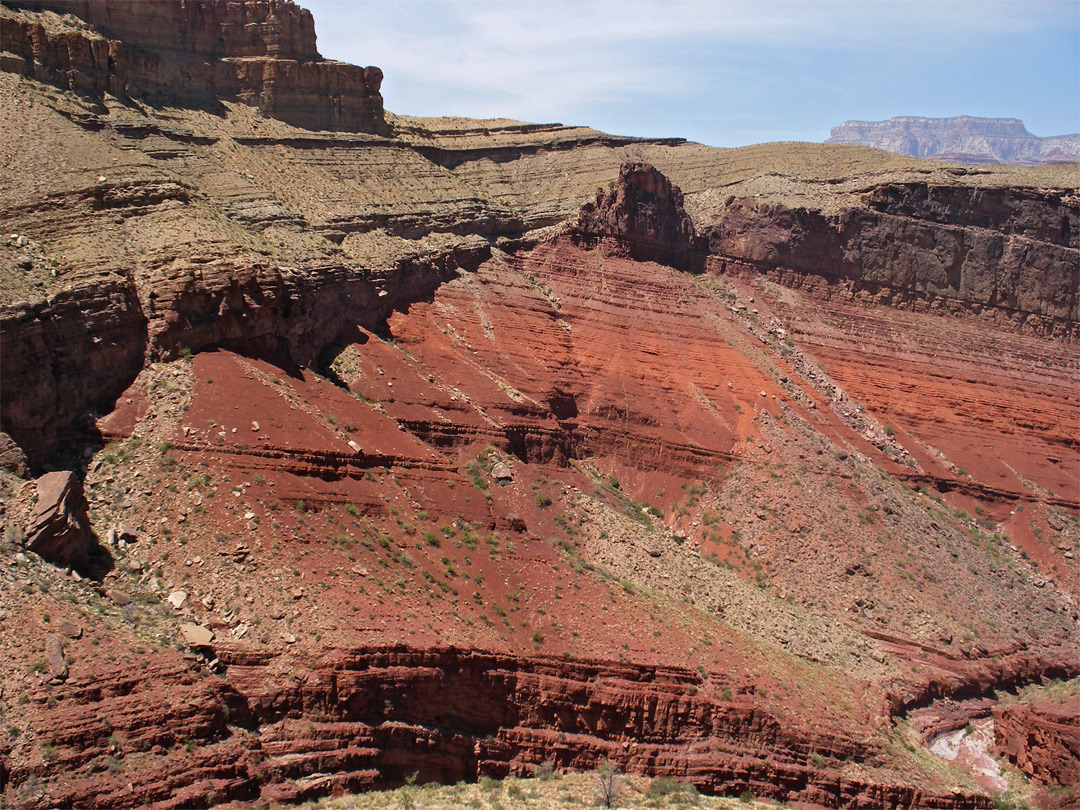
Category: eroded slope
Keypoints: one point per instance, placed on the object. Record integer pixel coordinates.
(397, 420)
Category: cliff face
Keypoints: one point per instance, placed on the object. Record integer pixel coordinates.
(1042, 738)
(963, 139)
(476, 444)
(1010, 253)
(364, 719)
(195, 52)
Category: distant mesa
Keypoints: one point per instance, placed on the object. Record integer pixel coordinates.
(964, 139)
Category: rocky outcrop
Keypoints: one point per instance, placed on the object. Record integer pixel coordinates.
(367, 718)
(645, 213)
(60, 366)
(196, 52)
(1011, 254)
(59, 529)
(12, 457)
(1042, 738)
(964, 139)
(64, 357)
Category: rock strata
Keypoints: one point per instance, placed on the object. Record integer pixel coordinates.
(197, 52)
(1012, 254)
(363, 719)
(1042, 738)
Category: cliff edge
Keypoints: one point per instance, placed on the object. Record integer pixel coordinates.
(192, 53)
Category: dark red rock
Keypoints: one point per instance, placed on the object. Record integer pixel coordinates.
(1009, 252)
(364, 719)
(644, 213)
(1042, 738)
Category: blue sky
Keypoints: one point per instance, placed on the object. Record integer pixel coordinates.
(720, 72)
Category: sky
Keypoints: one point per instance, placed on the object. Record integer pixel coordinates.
(720, 72)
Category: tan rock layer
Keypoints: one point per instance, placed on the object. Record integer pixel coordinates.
(201, 51)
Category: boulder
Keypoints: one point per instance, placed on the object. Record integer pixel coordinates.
(54, 656)
(59, 530)
(195, 635)
(501, 472)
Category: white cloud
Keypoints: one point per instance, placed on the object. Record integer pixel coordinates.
(588, 61)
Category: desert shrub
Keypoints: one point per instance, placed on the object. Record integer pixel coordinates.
(609, 784)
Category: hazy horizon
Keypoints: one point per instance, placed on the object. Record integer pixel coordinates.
(723, 73)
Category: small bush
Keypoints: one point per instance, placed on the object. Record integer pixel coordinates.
(609, 784)
(545, 770)
(1008, 801)
(665, 787)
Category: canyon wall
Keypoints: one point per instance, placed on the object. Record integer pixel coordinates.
(67, 366)
(194, 52)
(1042, 738)
(364, 719)
(477, 444)
(1009, 254)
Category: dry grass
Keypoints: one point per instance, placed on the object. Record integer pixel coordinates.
(556, 792)
(1056, 691)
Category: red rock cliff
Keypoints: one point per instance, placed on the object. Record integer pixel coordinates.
(1008, 253)
(1041, 738)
